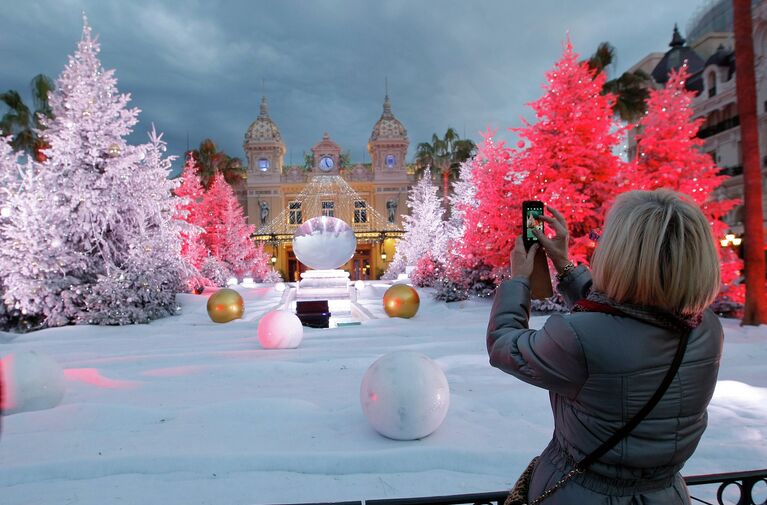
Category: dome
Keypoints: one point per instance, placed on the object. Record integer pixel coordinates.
(263, 128)
(722, 57)
(388, 126)
(675, 58)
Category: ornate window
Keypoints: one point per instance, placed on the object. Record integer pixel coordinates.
(263, 164)
(360, 212)
(295, 215)
(328, 209)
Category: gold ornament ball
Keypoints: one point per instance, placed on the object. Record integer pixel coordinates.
(225, 305)
(401, 300)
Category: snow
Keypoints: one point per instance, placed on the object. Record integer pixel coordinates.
(186, 411)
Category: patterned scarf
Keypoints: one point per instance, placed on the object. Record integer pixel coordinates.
(600, 302)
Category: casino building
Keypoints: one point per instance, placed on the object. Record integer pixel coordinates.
(370, 197)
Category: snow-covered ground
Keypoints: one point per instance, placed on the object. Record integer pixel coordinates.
(185, 411)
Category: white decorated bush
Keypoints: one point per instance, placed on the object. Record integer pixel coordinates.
(280, 329)
(405, 395)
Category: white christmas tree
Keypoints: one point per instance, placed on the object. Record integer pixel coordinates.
(425, 231)
(464, 196)
(9, 185)
(92, 236)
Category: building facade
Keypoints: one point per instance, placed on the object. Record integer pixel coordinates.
(370, 197)
(710, 58)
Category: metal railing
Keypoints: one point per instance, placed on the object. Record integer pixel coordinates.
(739, 484)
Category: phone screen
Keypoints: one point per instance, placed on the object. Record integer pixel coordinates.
(532, 212)
(533, 221)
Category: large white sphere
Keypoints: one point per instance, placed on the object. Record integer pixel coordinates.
(324, 243)
(31, 381)
(280, 329)
(405, 395)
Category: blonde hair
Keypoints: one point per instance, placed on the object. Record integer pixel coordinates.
(657, 249)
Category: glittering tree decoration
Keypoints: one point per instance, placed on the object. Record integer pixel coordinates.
(425, 231)
(669, 156)
(227, 233)
(190, 195)
(568, 153)
(493, 223)
(92, 236)
(464, 198)
(9, 185)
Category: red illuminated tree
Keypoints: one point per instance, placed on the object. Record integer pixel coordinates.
(191, 194)
(493, 223)
(669, 156)
(227, 233)
(567, 155)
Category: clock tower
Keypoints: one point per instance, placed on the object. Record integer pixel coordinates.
(388, 146)
(327, 156)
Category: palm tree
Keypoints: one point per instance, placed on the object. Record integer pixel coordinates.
(444, 155)
(23, 124)
(210, 161)
(630, 89)
(755, 311)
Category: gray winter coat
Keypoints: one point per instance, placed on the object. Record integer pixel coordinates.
(600, 369)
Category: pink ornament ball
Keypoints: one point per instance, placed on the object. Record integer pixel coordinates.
(280, 329)
(521, 144)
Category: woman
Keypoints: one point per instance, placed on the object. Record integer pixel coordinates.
(657, 264)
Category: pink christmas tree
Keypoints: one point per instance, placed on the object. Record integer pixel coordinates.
(92, 235)
(190, 194)
(567, 155)
(227, 234)
(669, 156)
(493, 223)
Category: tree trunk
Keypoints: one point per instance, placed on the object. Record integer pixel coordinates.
(446, 186)
(755, 311)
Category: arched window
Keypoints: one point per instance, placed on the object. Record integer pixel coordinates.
(711, 83)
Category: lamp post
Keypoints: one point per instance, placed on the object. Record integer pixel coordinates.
(383, 257)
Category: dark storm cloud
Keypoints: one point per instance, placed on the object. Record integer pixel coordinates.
(196, 68)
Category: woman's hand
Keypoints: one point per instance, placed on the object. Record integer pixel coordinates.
(521, 260)
(555, 247)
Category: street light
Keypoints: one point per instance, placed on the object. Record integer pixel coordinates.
(273, 260)
(383, 257)
(730, 240)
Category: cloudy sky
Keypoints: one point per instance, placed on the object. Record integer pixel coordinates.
(196, 68)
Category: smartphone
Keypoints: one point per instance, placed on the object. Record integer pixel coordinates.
(532, 210)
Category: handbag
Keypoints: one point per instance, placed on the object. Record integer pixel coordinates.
(519, 494)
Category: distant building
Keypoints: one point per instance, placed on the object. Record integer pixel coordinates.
(370, 197)
(710, 59)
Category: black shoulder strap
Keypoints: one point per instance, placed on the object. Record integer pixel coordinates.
(623, 432)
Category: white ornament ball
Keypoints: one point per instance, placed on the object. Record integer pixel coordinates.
(324, 243)
(359, 285)
(5, 212)
(405, 395)
(31, 381)
(279, 286)
(280, 329)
